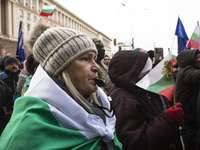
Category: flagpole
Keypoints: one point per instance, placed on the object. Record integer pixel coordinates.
(173, 43)
(173, 92)
(174, 100)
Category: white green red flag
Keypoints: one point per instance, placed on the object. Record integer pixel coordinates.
(48, 10)
(194, 41)
(49, 117)
(174, 58)
(160, 79)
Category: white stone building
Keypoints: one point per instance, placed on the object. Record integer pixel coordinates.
(28, 11)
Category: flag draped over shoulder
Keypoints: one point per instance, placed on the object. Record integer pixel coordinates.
(54, 120)
(160, 79)
(20, 45)
(182, 36)
(194, 41)
(48, 10)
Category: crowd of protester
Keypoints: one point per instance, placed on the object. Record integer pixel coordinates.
(54, 99)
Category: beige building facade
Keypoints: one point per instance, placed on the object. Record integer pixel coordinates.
(28, 11)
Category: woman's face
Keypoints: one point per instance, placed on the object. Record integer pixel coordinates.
(82, 72)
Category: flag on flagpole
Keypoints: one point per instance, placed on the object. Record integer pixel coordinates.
(48, 10)
(194, 41)
(20, 45)
(160, 79)
(182, 36)
(174, 58)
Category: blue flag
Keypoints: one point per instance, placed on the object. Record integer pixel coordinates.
(182, 36)
(20, 45)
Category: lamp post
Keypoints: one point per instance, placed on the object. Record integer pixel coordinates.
(131, 38)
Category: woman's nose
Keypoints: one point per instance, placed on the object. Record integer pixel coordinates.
(95, 67)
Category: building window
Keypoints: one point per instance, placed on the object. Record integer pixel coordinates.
(28, 27)
(28, 16)
(35, 18)
(21, 13)
(22, 25)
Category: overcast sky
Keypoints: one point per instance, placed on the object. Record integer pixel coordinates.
(150, 22)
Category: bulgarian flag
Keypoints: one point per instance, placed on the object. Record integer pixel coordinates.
(48, 10)
(194, 41)
(138, 49)
(48, 118)
(174, 58)
(160, 79)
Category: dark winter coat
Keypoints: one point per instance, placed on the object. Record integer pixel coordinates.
(11, 80)
(103, 74)
(187, 85)
(6, 105)
(139, 126)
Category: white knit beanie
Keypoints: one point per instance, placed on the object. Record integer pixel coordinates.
(59, 46)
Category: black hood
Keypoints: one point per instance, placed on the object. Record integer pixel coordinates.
(126, 66)
(187, 58)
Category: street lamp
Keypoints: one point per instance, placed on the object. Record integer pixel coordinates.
(130, 25)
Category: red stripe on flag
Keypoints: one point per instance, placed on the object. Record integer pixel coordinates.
(174, 60)
(193, 44)
(46, 14)
(168, 92)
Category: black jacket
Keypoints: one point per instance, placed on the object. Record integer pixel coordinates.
(139, 125)
(187, 85)
(6, 105)
(11, 80)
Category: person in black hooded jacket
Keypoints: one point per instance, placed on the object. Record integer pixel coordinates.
(139, 125)
(187, 91)
(6, 105)
(10, 75)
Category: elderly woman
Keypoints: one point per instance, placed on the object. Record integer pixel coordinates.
(63, 108)
(139, 125)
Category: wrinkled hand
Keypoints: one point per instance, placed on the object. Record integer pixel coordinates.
(176, 114)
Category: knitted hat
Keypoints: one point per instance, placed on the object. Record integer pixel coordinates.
(10, 60)
(59, 46)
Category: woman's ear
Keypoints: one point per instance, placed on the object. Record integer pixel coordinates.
(35, 70)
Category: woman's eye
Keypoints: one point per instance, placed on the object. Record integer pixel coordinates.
(86, 59)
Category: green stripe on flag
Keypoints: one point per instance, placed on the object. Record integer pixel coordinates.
(40, 129)
(162, 84)
(47, 11)
(173, 57)
(195, 37)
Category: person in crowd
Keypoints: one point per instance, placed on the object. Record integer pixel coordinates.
(187, 91)
(22, 78)
(102, 74)
(20, 62)
(63, 107)
(10, 75)
(6, 105)
(2, 63)
(151, 55)
(139, 126)
(31, 66)
(106, 62)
